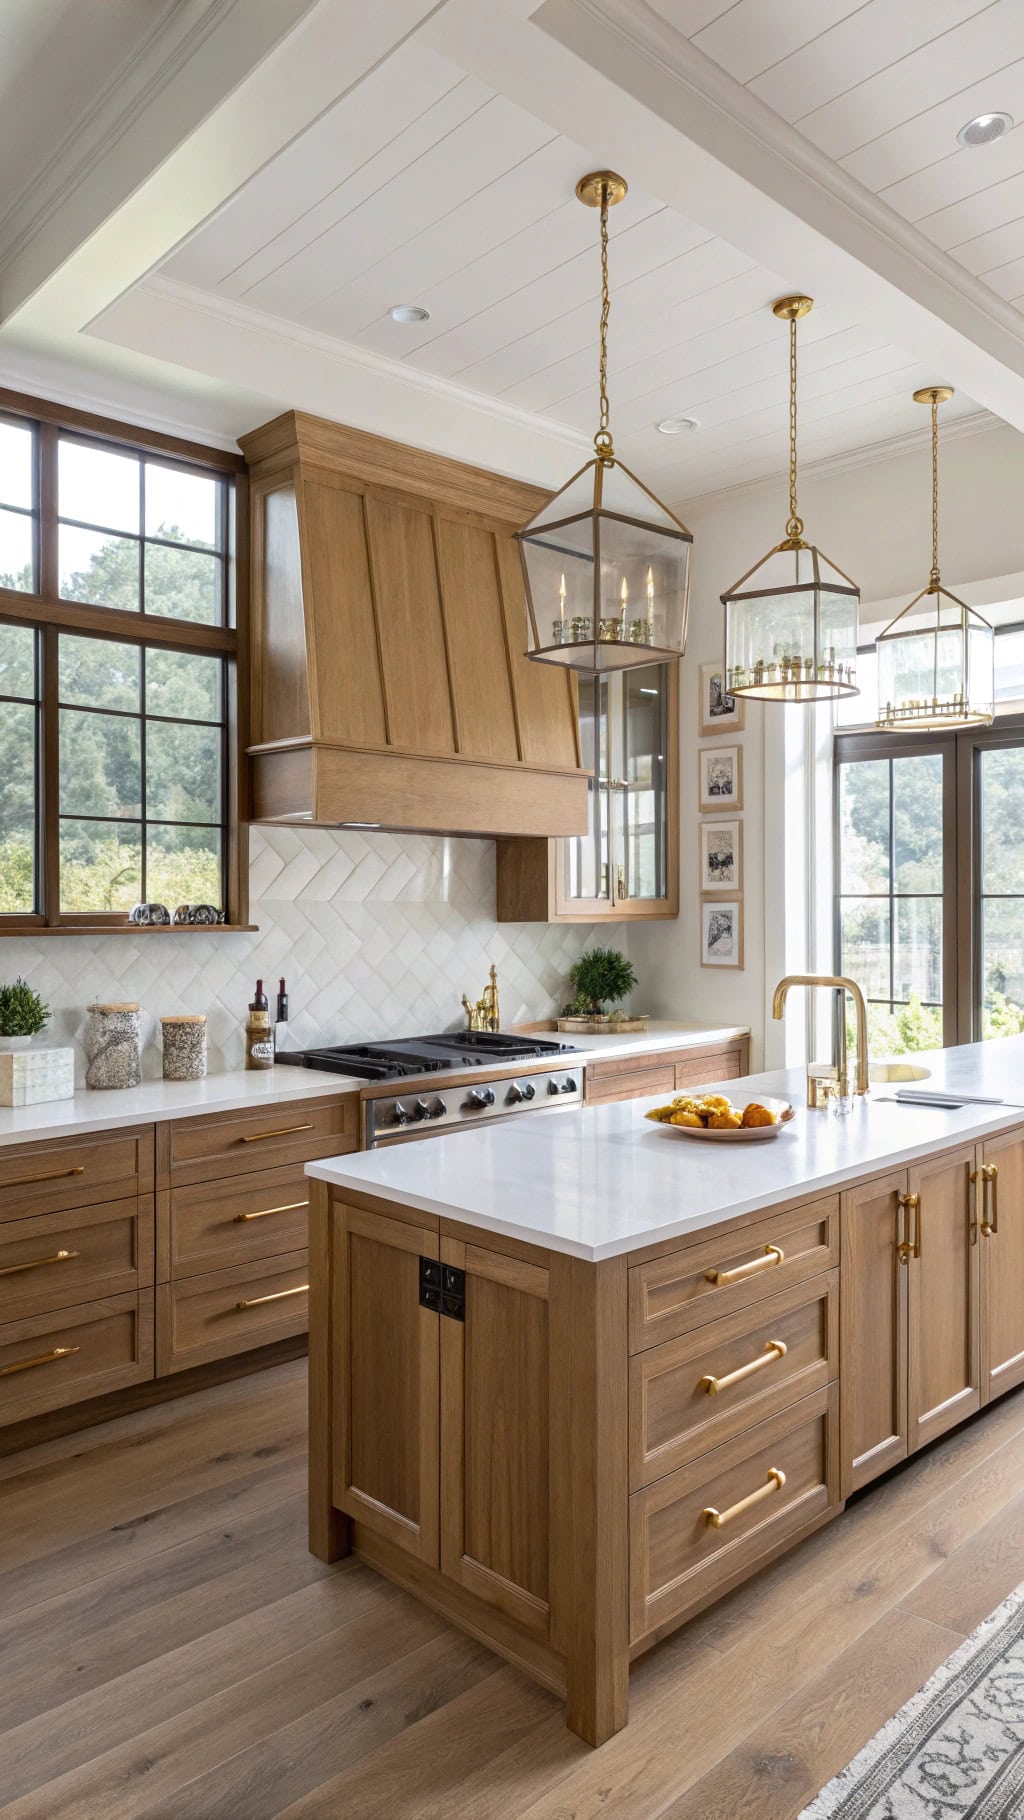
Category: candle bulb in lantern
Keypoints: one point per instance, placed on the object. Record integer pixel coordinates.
(624, 596)
(561, 600)
(650, 607)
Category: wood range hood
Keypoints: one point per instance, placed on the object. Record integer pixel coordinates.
(388, 626)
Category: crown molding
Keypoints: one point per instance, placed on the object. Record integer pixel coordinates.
(631, 45)
(124, 400)
(173, 40)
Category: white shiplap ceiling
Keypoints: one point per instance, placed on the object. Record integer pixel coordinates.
(882, 89)
(424, 186)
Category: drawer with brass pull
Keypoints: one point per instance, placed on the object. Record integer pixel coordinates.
(75, 1172)
(49, 1360)
(690, 1394)
(694, 1533)
(674, 1293)
(258, 1215)
(207, 1149)
(226, 1311)
(56, 1259)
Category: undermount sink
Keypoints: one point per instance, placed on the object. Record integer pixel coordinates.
(881, 1072)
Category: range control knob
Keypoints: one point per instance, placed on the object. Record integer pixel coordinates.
(438, 1109)
(552, 1086)
(568, 1085)
(399, 1115)
(421, 1110)
(514, 1094)
(477, 1098)
(529, 1091)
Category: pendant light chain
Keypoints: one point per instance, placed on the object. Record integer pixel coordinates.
(795, 527)
(603, 439)
(935, 492)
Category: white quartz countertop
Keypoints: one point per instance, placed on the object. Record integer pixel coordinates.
(236, 1091)
(661, 1033)
(603, 1180)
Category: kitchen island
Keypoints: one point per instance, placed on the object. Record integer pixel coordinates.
(572, 1381)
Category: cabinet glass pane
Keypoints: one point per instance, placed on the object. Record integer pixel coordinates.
(587, 855)
(642, 786)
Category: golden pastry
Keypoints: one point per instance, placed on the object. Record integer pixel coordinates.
(687, 1118)
(756, 1114)
(724, 1121)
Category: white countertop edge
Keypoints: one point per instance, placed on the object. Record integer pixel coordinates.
(339, 1172)
(237, 1090)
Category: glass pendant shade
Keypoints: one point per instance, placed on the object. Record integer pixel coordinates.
(936, 661)
(936, 665)
(607, 571)
(791, 628)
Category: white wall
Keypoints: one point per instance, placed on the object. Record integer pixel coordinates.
(874, 519)
(377, 934)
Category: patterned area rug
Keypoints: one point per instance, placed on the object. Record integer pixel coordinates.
(956, 1750)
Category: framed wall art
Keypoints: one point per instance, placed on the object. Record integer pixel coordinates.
(720, 777)
(721, 855)
(719, 712)
(721, 932)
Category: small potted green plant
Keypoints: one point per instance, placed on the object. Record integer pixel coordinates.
(22, 1015)
(601, 977)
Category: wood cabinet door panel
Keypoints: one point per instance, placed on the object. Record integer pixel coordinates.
(386, 1363)
(413, 657)
(726, 1065)
(495, 1434)
(680, 1401)
(75, 1172)
(639, 1084)
(47, 1361)
(58, 1259)
(874, 1332)
(677, 1555)
(233, 1221)
(944, 1378)
(475, 631)
(203, 1149)
(1001, 1256)
(208, 1317)
(673, 1294)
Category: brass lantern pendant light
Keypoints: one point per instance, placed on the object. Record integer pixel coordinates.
(936, 661)
(791, 620)
(606, 565)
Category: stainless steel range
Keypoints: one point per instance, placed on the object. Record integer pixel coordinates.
(434, 1102)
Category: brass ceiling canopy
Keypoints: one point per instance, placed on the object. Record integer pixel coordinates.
(791, 620)
(606, 565)
(936, 661)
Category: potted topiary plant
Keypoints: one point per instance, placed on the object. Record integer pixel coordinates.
(22, 1015)
(601, 977)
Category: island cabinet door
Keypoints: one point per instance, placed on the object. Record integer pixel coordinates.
(999, 1189)
(873, 1322)
(386, 1409)
(495, 1433)
(941, 1237)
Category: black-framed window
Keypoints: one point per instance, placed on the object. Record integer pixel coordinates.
(19, 506)
(20, 705)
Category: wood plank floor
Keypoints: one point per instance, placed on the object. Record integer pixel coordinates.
(170, 1651)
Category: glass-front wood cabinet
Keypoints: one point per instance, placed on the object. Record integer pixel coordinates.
(626, 865)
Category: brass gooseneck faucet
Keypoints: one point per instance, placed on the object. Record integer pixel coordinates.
(820, 1087)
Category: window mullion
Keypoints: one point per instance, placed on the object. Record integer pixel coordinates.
(49, 782)
(49, 555)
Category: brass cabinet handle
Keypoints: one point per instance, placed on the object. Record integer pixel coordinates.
(775, 1349)
(773, 1254)
(910, 1247)
(990, 1201)
(41, 1358)
(265, 1212)
(278, 1296)
(717, 1519)
(25, 1181)
(260, 1137)
(56, 1257)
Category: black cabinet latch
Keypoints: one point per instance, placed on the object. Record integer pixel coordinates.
(443, 1289)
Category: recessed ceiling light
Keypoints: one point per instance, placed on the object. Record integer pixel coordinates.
(984, 128)
(408, 312)
(677, 426)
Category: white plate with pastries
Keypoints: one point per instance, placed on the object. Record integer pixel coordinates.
(717, 1105)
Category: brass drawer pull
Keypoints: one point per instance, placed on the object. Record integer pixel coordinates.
(260, 1137)
(25, 1181)
(775, 1349)
(264, 1213)
(41, 1358)
(773, 1254)
(990, 1200)
(910, 1247)
(278, 1296)
(57, 1257)
(717, 1519)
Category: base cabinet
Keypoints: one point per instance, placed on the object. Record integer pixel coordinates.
(1000, 1191)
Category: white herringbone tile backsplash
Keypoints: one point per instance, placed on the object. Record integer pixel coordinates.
(377, 934)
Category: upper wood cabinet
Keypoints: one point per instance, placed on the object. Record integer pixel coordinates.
(390, 684)
(625, 865)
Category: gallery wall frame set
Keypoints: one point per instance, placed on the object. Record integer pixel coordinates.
(719, 778)
(721, 931)
(721, 855)
(717, 711)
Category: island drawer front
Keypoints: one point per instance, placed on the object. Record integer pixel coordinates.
(204, 1149)
(721, 1272)
(681, 1404)
(678, 1557)
(57, 1260)
(75, 1172)
(49, 1360)
(633, 1084)
(201, 1318)
(214, 1224)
